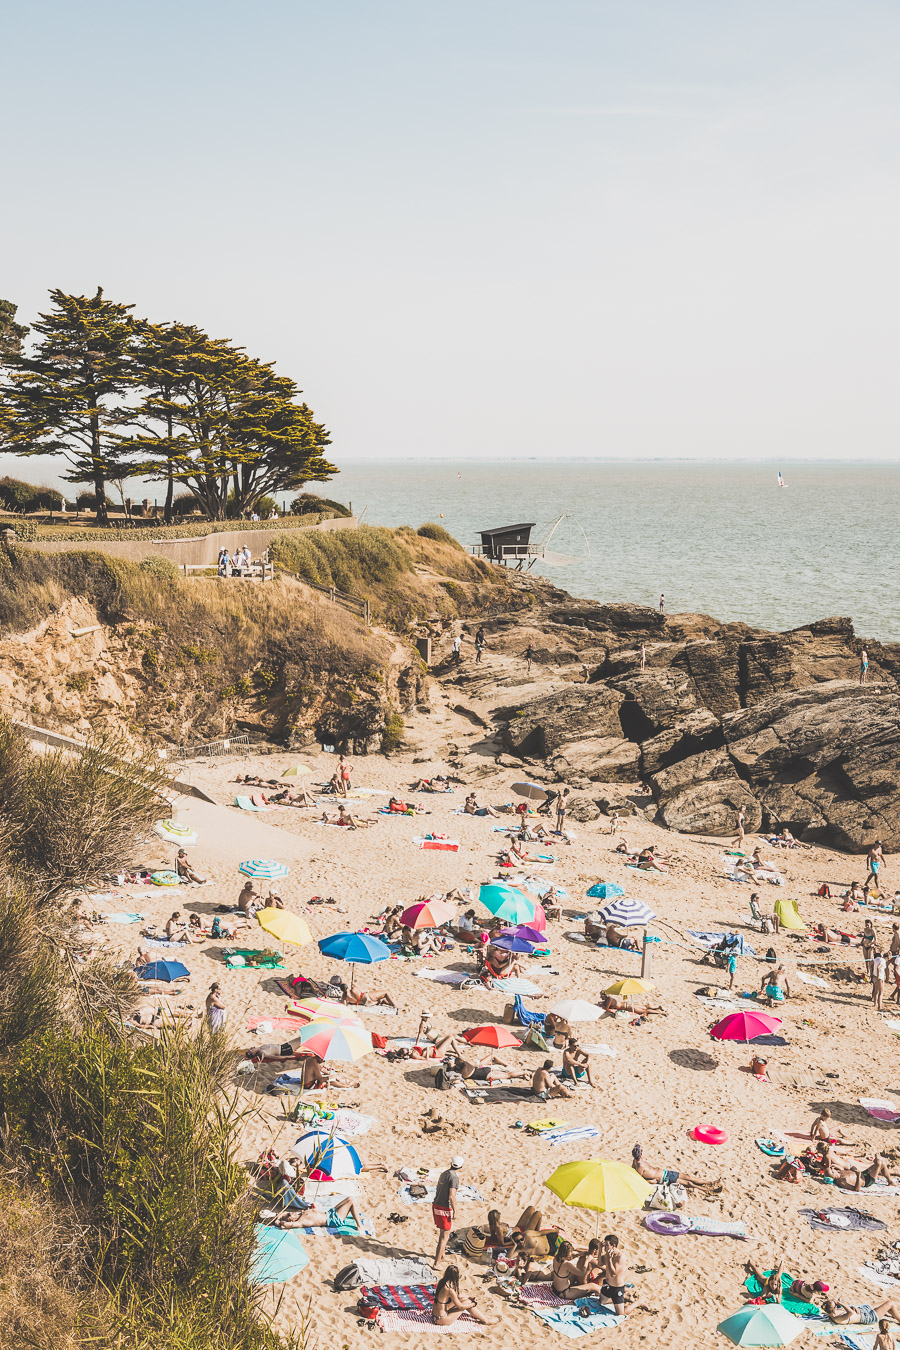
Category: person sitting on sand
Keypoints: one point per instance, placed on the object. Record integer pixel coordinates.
(471, 807)
(466, 927)
(566, 1275)
(621, 938)
(178, 931)
(823, 1128)
(774, 987)
(667, 1175)
(594, 932)
(648, 861)
(247, 901)
(449, 1303)
(545, 1085)
(185, 871)
(502, 962)
(770, 923)
(343, 817)
(865, 1313)
(557, 1027)
(576, 1063)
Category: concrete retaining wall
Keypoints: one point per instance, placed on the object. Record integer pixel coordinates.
(199, 551)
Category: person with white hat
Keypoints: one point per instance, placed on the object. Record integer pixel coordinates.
(443, 1207)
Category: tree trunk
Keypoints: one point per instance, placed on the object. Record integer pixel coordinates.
(170, 495)
(100, 512)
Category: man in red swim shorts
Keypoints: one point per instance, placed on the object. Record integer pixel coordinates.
(443, 1208)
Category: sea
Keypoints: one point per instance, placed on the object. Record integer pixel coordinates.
(719, 538)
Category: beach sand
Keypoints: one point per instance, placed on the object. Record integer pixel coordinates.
(666, 1076)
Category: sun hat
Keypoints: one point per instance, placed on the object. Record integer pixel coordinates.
(457, 1162)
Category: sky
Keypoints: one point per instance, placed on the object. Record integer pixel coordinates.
(485, 228)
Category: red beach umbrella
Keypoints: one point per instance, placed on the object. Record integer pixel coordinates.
(493, 1035)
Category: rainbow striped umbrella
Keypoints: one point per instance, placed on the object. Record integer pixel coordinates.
(428, 914)
(346, 1041)
(317, 1009)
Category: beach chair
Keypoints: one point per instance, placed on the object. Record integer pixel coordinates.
(246, 804)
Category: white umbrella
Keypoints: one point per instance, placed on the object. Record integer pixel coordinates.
(577, 1010)
(627, 912)
(175, 833)
(532, 790)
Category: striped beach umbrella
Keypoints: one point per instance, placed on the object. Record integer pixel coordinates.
(175, 833)
(627, 913)
(332, 1158)
(263, 869)
(344, 1041)
(319, 1009)
(428, 914)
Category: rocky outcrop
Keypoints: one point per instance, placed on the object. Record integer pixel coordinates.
(722, 716)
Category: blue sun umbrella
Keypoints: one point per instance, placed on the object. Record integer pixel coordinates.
(357, 948)
(163, 970)
(605, 890)
(539, 886)
(762, 1324)
(511, 942)
(330, 1155)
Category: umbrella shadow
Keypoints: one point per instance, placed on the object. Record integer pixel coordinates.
(421, 1077)
(476, 1015)
(848, 1113)
(698, 1060)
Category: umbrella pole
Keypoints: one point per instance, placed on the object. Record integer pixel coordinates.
(646, 956)
(352, 974)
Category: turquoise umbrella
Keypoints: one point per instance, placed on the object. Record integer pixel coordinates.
(762, 1324)
(507, 904)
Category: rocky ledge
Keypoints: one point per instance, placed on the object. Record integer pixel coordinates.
(720, 716)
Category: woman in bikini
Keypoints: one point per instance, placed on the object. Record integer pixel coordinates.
(449, 1303)
(844, 1313)
(567, 1276)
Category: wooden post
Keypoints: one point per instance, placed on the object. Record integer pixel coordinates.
(331, 593)
(646, 956)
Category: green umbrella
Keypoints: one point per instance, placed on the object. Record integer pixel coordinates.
(762, 1324)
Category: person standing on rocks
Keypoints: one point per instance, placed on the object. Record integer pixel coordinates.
(662, 604)
(863, 666)
(529, 656)
(457, 650)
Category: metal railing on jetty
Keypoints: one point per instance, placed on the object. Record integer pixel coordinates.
(231, 745)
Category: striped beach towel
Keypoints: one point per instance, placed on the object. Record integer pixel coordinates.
(395, 1296)
(407, 1319)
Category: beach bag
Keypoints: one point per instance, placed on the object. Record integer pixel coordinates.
(216, 929)
(474, 1244)
(369, 1309)
(771, 955)
(824, 890)
(378, 1042)
(347, 1278)
(669, 1195)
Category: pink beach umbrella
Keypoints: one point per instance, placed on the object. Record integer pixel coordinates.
(743, 1026)
(428, 914)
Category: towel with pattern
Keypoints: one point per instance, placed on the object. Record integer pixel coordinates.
(843, 1220)
(419, 1296)
(410, 1319)
(735, 1228)
(568, 1320)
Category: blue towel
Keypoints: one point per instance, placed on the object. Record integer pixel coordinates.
(526, 1017)
(567, 1320)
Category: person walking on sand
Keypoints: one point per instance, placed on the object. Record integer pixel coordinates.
(879, 974)
(863, 666)
(874, 860)
(738, 840)
(529, 657)
(443, 1207)
(216, 1011)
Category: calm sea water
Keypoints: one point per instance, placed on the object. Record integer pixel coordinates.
(717, 538)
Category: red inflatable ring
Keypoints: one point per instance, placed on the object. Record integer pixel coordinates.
(708, 1134)
(670, 1225)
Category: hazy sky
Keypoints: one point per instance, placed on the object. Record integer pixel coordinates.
(486, 227)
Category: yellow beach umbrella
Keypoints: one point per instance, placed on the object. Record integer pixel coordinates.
(297, 771)
(599, 1185)
(627, 988)
(284, 926)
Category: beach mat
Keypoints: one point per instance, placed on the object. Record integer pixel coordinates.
(790, 1078)
(396, 1296)
(411, 1320)
(568, 1321)
(798, 1306)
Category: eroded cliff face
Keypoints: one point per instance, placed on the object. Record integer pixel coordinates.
(720, 715)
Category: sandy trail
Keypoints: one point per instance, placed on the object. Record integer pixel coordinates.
(667, 1076)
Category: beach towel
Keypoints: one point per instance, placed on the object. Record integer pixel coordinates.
(512, 984)
(524, 1016)
(161, 942)
(555, 1137)
(462, 1193)
(788, 1077)
(445, 845)
(445, 976)
(600, 1050)
(412, 1320)
(858, 1341)
(815, 980)
(395, 1270)
(799, 1306)
(739, 947)
(538, 1126)
(542, 1294)
(419, 1296)
(704, 1227)
(567, 1319)
(247, 805)
(279, 1255)
(879, 1277)
(273, 1024)
(124, 918)
(349, 1124)
(379, 1009)
(238, 961)
(880, 1110)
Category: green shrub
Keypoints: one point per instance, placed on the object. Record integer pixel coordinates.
(437, 532)
(308, 502)
(157, 566)
(347, 559)
(392, 735)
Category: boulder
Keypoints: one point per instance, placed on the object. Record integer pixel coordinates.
(608, 759)
(549, 724)
(701, 795)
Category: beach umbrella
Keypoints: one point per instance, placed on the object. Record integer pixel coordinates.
(345, 1041)
(263, 869)
(504, 902)
(762, 1324)
(743, 1026)
(627, 913)
(492, 1034)
(510, 942)
(630, 986)
(428, 914)
(297, 771)
(175, 833)
(605, 890)
(284, 926)
(317, 1008)
(577, 1010)
(514, 984)
(333, 1158)
(599, 1185)
(526, 931)
(357, 948)
(533, 791)
(163, 970)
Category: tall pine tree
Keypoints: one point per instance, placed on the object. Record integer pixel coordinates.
(12, 335)
(68, 395)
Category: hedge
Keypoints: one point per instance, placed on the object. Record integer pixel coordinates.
(142, 534)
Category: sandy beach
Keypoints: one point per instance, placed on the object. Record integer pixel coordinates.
(661, 1079)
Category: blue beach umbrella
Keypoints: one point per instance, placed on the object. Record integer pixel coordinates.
(329, 1154)
(510, 942)
(163, 970)
(605, 890)
(357, 948)
(762, 1324)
